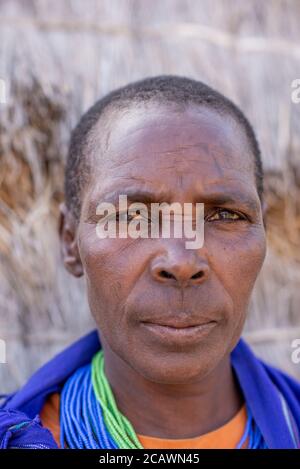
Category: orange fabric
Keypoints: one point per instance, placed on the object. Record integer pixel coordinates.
(225, 437)
(50, 415)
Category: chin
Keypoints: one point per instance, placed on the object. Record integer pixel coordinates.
(175, 368)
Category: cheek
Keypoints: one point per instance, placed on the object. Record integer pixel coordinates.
(236, 260)
(109, 275)
(237, 256)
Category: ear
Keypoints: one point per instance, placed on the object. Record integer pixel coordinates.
(68, 243)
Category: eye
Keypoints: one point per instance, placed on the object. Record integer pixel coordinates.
(121, 216)
(225, 214)
(124, 216)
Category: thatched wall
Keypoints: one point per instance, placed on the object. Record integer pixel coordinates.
(57, 58)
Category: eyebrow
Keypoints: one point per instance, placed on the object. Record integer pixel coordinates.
(231, 198)
(145, 196)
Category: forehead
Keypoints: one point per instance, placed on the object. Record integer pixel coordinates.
(172, 150)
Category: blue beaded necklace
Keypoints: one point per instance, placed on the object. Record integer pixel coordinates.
(82, 425)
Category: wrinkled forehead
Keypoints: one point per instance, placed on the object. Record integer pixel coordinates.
(160, 145)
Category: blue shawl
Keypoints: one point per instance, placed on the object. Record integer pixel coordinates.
(272, 396)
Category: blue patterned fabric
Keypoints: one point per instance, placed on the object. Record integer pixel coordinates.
(19, 431)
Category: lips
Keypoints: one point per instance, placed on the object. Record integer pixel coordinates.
(178, 332)
(179, 323)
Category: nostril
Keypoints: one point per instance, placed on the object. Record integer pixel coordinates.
(165, 274)
(197, 275)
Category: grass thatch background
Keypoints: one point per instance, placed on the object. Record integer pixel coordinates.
(57, 57)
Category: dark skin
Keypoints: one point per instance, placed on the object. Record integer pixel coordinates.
(168, 387)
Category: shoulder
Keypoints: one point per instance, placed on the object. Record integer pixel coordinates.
(17, 430)
(50, 377)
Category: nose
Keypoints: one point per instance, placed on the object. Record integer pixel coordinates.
(180, 269)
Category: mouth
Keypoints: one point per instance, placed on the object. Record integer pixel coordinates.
(179, 332)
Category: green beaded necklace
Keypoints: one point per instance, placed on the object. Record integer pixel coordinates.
(117, 424)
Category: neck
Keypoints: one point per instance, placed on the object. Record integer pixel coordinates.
(173, 410)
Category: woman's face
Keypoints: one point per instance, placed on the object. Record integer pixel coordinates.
(137, 286)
